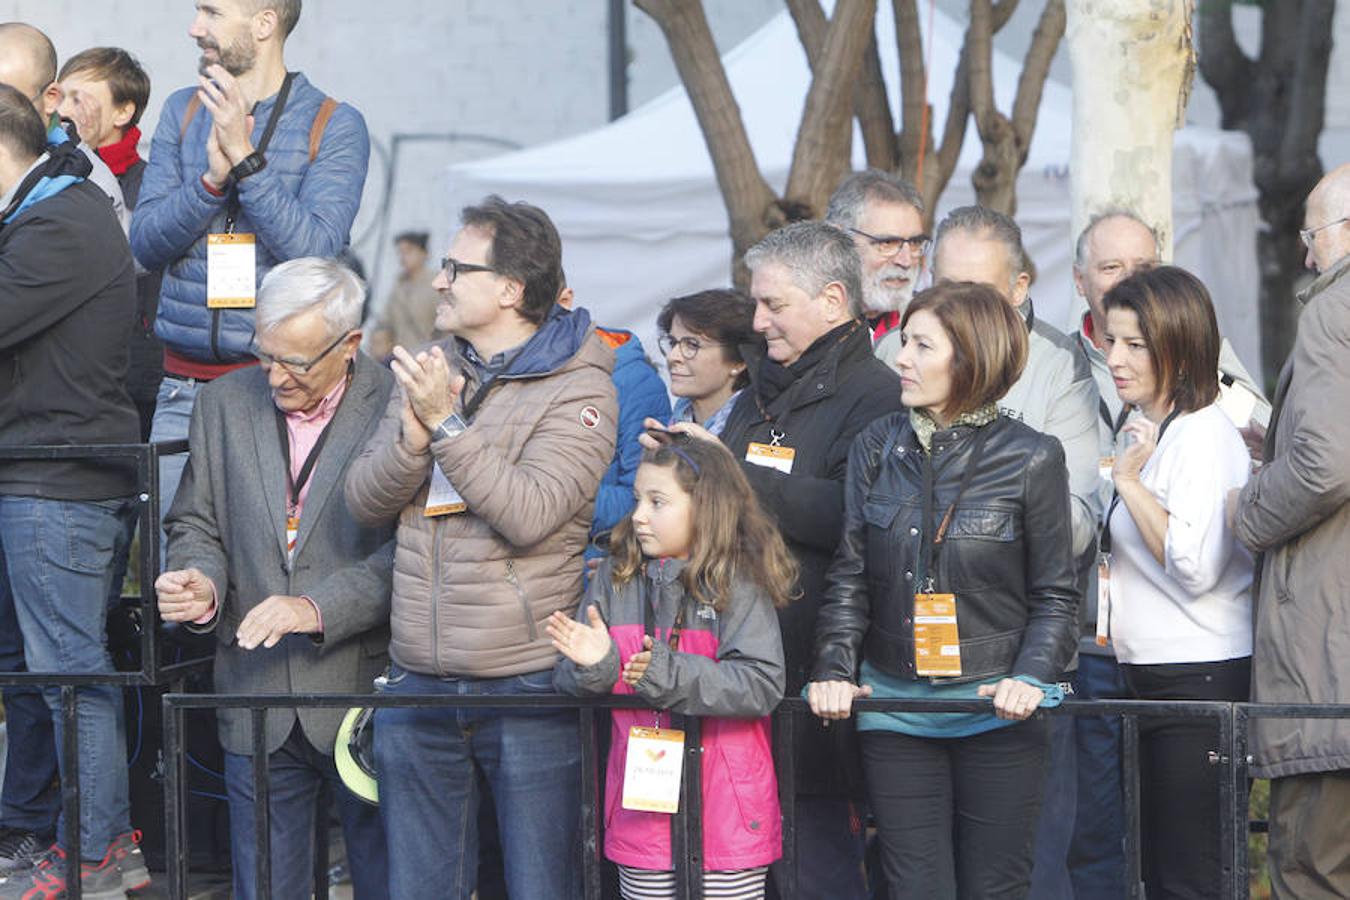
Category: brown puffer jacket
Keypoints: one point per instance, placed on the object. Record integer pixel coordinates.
(472, 590)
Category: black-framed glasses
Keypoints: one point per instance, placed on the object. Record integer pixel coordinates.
(687, 346)
(453, 268)
(890, 244)
(1308, 234)
(300, 367)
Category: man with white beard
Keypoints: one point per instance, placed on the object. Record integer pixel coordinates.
(884, 215)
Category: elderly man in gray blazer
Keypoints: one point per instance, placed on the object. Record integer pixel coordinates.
(263, 552)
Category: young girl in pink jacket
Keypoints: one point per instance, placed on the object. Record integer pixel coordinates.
(682, 615)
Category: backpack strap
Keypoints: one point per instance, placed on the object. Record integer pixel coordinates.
(194, 104)
(320, 123)
(316, 129)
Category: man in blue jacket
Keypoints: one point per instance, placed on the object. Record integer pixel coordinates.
(253, 152)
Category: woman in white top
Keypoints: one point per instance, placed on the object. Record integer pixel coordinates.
(1180, 584)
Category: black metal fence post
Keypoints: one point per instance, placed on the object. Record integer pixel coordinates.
(175, 801)
(70, 787)
(262, 813)
(591, 803)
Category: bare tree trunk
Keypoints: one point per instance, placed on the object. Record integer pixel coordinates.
(939, 161)
(871, 106)
(821, 154)
(1007, 139)
(1279, 99)
(752, 206)
(1132, 69)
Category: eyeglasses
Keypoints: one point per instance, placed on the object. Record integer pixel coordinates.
(687, 346)
(890, 244)
(453, 268)
(295, 367)
(1307, 234)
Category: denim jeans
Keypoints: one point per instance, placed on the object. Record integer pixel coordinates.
(297, 772)
(31, 797)
(830, 849)
(58, 554)
(1097, 852)
(427, 761)
(173, 417)
(1054, 832)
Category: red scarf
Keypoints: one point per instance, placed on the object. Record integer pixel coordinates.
(122, 155)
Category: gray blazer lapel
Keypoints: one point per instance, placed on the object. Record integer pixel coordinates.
(361, 405)
(271, 469)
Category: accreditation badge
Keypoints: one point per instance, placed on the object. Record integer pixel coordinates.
(652, 769)
(231, 271)
(771, 456)
(937, 643)
(1103, 599)
(442, 498)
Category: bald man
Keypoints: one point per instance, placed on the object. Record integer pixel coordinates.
(28, 64)
(1295, 510)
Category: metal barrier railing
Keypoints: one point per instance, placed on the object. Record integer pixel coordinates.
(1230, 756)
(153, 671)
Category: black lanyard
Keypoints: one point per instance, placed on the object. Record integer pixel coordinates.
(296, 484)
(649, 619)
(931, 548)
(232, 204)
(1115, 497)
(1106, 416)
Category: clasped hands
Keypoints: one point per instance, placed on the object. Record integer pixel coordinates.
(430, 391)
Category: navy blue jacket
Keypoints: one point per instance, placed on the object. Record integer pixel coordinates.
(295, 207)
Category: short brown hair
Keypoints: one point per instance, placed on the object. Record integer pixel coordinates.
(526, 247)
(126, 79)
(1176, 318)
(724, 315)
(989, 340)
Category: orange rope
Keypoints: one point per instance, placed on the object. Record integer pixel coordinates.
(923, 128)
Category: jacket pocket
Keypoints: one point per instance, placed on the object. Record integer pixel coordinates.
(513, 579)
(754, 787)
(983, 525)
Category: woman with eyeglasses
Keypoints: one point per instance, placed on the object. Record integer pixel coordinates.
(1180, 608)
(701, 336)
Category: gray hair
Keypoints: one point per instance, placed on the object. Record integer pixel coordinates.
(984, 222)
(1114, 212)
(815, 254)
(299, 285)
(847, 201)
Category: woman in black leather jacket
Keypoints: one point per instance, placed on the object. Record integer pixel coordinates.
(954, 579)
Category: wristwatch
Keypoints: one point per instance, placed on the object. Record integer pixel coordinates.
(450, 426)
(253, 163)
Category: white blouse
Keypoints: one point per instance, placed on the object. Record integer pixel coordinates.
(1198, 606)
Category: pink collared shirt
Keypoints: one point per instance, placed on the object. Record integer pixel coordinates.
(303, 429)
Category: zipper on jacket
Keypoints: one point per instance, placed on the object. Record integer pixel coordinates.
(435, 581)
(215, 335)
(514, 580)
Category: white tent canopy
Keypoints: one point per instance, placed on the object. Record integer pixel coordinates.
(642, 219)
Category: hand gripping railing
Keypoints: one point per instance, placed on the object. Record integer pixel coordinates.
(1231, 719)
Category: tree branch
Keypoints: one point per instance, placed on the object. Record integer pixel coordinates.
(1225, 67)
(750, 202)
(821, 154)
(1044, 43)
(871, 105)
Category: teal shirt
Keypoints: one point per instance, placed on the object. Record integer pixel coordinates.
(938, 725)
